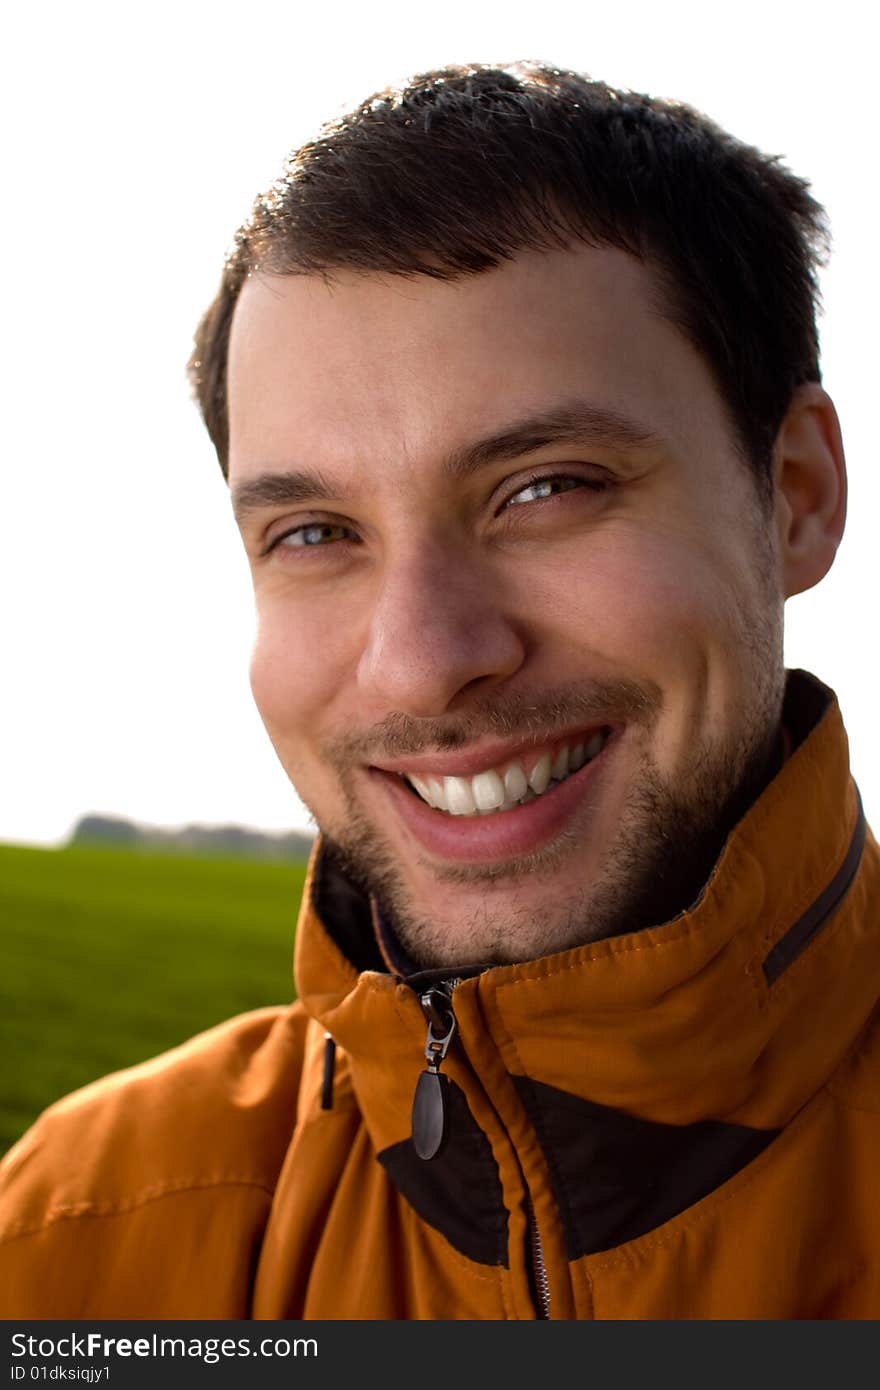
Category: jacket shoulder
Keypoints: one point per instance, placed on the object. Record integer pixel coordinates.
(217, 1110)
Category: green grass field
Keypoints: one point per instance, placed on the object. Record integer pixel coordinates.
(108, 956)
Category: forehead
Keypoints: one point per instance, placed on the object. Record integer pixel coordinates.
(367, 368)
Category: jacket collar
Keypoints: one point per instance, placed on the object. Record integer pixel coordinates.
(737, 1009)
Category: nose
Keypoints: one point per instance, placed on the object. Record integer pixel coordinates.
(438, 629)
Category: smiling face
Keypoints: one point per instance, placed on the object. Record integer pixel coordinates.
(519, 643)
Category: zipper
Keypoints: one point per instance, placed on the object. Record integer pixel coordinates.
(540, 1283)
(430, 1118)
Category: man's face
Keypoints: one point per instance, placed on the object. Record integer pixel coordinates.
(499, 533)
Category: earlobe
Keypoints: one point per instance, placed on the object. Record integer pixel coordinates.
(810, 488)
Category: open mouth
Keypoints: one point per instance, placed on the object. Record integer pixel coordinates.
(511, 784)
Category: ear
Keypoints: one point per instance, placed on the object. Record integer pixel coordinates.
(809, 471)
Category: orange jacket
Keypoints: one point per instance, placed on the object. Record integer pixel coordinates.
(678, 1123)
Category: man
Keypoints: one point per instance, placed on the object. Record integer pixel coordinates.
(514, 379)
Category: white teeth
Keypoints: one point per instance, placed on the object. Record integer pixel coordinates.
(423, 789)
(488, 791)
(436, 794)
(539, 780)
(560, 765)
(491, 791)
(516, 784)
(458, 796)
(594, 744)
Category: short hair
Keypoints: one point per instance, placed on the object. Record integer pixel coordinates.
(464, 167)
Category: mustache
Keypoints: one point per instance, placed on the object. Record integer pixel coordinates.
(510, 716)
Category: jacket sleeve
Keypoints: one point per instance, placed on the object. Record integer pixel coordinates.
(121, 1191)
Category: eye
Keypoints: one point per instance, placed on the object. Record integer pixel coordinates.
(537, 489)
(313, 534)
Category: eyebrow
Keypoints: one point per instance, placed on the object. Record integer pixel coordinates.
(285, 488)
(574, 422)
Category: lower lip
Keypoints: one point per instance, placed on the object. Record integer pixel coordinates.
(504, 834)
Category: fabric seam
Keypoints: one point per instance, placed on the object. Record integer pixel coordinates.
(74, 1211)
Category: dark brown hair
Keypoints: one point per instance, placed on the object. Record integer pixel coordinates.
(466, 166)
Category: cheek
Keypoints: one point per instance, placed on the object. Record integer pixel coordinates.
(644, 600)
(295, 669)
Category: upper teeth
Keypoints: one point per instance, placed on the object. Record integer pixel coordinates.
(502, 788)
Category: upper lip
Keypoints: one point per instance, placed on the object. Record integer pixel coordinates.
(467, 762)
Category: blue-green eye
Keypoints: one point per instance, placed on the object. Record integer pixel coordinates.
(539, 488)
(317, 533)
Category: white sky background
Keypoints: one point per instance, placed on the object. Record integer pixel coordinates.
(135, 140)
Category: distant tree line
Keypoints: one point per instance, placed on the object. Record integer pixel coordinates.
(236, 840)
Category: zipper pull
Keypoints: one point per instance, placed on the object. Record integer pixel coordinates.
(329, 1067)
(430, 1111)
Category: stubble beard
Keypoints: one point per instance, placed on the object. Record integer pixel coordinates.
(670, 834)
(668, 839)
